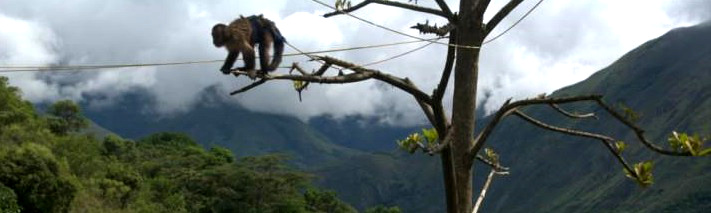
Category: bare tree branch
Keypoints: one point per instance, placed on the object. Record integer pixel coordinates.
(427, 109)
(350, 78)
(319, 72)
(489, 178)
(606, 140)
(393, 4)
(444, 143)
(493, 165)
(360, 74)
(567, 131)
(572, 115)
(438, 93)
(248, 87)
(401, 83)
(505, 109)
(348, 10)
(639, 132)
(501, 15)
(445, 9)
(480, 199)
(426, 28)
(480, 8)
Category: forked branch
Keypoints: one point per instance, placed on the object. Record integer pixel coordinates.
(359, 74)
(412, 7)
(639, 131)
(501, 15)
(509, 107)
(572, 114)
(445, 9)
(606, 140)
(484, 188)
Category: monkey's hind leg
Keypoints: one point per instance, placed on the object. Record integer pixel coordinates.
(248, 55)
(264, 53)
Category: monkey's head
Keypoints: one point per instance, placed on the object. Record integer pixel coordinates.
(219, 35)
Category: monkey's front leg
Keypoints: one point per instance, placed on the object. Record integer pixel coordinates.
(249, 62)
(229, 62)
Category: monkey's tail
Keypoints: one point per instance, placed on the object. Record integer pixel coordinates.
(279, 41)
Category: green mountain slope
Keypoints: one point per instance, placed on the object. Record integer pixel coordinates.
(213, 122)
(668, 82)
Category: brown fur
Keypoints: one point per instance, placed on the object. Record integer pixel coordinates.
(237, 38)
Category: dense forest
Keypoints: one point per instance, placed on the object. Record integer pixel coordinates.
(50, 162)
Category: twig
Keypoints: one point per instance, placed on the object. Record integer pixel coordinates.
(248, 87)
(639, 132)
(426, 28)
(390, 3)
(572, 115)
(497, 167)
(606, 140)
(445, 9)
(484, 189)
(501, 15)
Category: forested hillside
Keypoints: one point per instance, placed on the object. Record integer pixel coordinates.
(47, 165)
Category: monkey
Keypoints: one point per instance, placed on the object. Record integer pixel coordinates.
(241, 36)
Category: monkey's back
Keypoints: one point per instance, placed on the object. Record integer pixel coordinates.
(240, 30)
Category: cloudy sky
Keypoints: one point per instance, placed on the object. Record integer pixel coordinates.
(560, 43)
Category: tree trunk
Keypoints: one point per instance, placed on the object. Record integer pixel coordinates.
(469, 33)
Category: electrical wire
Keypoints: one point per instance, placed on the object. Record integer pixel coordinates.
(390, 29)
(11, 68)
(514, 24)
(5, 69)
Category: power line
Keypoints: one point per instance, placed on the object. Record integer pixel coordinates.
(4, 69)
(390, 29)
(397, 56)
(515, 23)
(415, 37)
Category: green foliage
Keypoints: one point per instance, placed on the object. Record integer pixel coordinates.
(222, 155)
(629, 113)
(642, 173)
(46, 165)
(620, 146)
(12, 108)
(325, 201)
(342, 4)
(299, 85)
(65, 116)
(36, 176)
(8, 200)
(430, 135)
(172, 139)
(113, 145)
(411, 143)
(383, 209)
(415, 140)
(692, 144)
(491, 155)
